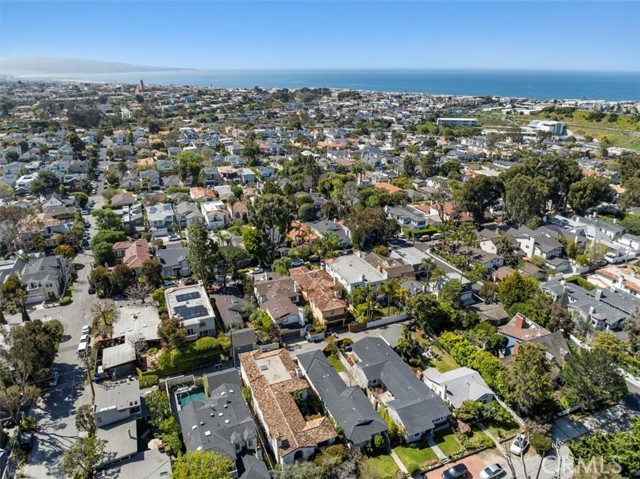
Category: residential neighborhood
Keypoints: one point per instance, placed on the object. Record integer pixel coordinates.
(313, 283)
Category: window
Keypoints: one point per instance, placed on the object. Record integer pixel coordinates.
(190, 331)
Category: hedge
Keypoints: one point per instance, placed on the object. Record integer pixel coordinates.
(191, 356)
(149, 380)
(66, 300)
(582, 282)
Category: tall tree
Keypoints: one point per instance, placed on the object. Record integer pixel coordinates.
(516, 288)
(82, 458)
(528, 378)
(151, 273)
(107, 220)
(46, 182)
(525, 197)
(480, 193)
(589, 192)
(203, 465)
(271, 215)
(370, 227)
(589, 376)
(202, 253)
(430, 314)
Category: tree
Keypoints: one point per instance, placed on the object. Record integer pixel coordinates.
(103, 253)
(632, 328)
(139, 291)
(82, 458)
(524, 198)
(172, 333)
(307, 212)
(389, 289)
(631, 197)
(252, 240)
(203, 465)
(301, 470)
(609, 343)
(271, 215)
(105, 310)
(589, 376)
(528, 378)
(330, 210)
(588, 193)
(85, 420)
(480, 193)
(151, 273)
(6, 192)
(202, 253)
(282, 265)
(12, 398)
(370, 227)
(45, 183)
(122, 277)
(107, 220)
(432, 316)
(82, 199)
(409, 166)
(100, 279)
(230, 259)
(190, 164)
(469, 410)
(516, 288)
(451, 293)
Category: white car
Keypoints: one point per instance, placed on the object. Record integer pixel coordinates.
(491, 472)
(84, 338)
(519, 445)
(86, 329)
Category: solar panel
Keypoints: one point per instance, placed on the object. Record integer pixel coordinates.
(190, 312)
(181, 298)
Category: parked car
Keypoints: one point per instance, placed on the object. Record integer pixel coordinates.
(84, 338)
(86, 329)
(189, 281)
(257, 271)
(456, 472)
(519, 445)
(168, 284)
(92, 290)
(54, 379)
(297, 263)
(491, 472)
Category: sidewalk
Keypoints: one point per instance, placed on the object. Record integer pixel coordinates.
(441, 455)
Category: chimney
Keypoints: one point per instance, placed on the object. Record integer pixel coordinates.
(516, 348)
(598, 294)
(520, 321)
(591, 310)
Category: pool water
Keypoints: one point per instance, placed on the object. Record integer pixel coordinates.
(187, 397)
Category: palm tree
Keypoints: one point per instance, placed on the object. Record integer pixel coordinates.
(428, 265)
(389, 289)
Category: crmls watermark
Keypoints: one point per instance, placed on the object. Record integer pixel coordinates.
(565, 466)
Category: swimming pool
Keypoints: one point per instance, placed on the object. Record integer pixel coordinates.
(190, 395)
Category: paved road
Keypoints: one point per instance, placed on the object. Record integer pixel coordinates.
(56, 412)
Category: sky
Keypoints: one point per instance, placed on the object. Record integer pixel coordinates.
(427, 34)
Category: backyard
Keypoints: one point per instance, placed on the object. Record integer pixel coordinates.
(445, 363)
(335, 362)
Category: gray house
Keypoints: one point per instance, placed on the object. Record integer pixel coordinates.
(174, 262)
(459, 385)
(222, 422)
(348, 406)
(410, 403)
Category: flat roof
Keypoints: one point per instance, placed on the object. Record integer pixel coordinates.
(137, 321)
(122, 394)
(273, 369)
(118, 355)
(188, 302)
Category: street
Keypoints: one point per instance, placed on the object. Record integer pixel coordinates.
(55, 412)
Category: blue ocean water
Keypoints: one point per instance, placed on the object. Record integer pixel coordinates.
(528, 84)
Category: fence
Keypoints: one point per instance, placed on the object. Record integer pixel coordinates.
(388, 320)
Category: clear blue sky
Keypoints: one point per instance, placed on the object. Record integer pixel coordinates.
(517, 34)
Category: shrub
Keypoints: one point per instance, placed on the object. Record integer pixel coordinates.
(66, 300)
(149, 380)
(152, 351)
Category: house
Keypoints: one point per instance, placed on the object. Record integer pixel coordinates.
(352, 271)
(597, 229)
(334, 228)
(150, 178)
(222, 422)
(132, 254)
(248, 176)
(242, 340)
(148, 464)
(174, 261)
(215, 214)
(605, 310)
(122, 199)
(191, 305)
(231, 307)
(274, 379)
(537, 242)
(283, 311)
(458, 385)
(160, 217)
(349, 407)
(319, 290)
(44, 279)
(274, 285)
(187, 213)
(133, 218)
(519, 330)
(390, 267)
(238, 210)
(409, 402)
(406, 218)
(198, 193)
(116, 408)
(556, 348)
(118, 361)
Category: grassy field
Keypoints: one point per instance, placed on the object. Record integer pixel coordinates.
(335, 362)
(445, 363)
(383, 466)
(447, 442)
(416, 454)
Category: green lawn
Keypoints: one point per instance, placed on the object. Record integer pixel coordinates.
(445, 363)
(335, 362)
(383, 466)
(447, 442)
(415, 453)
(500, 430)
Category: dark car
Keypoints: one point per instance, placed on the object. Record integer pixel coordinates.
(92, 290)
(455, 472)
(189, 281)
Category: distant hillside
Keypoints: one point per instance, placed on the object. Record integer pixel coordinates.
(48, 66)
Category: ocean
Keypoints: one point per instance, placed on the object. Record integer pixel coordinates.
(613, 86)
